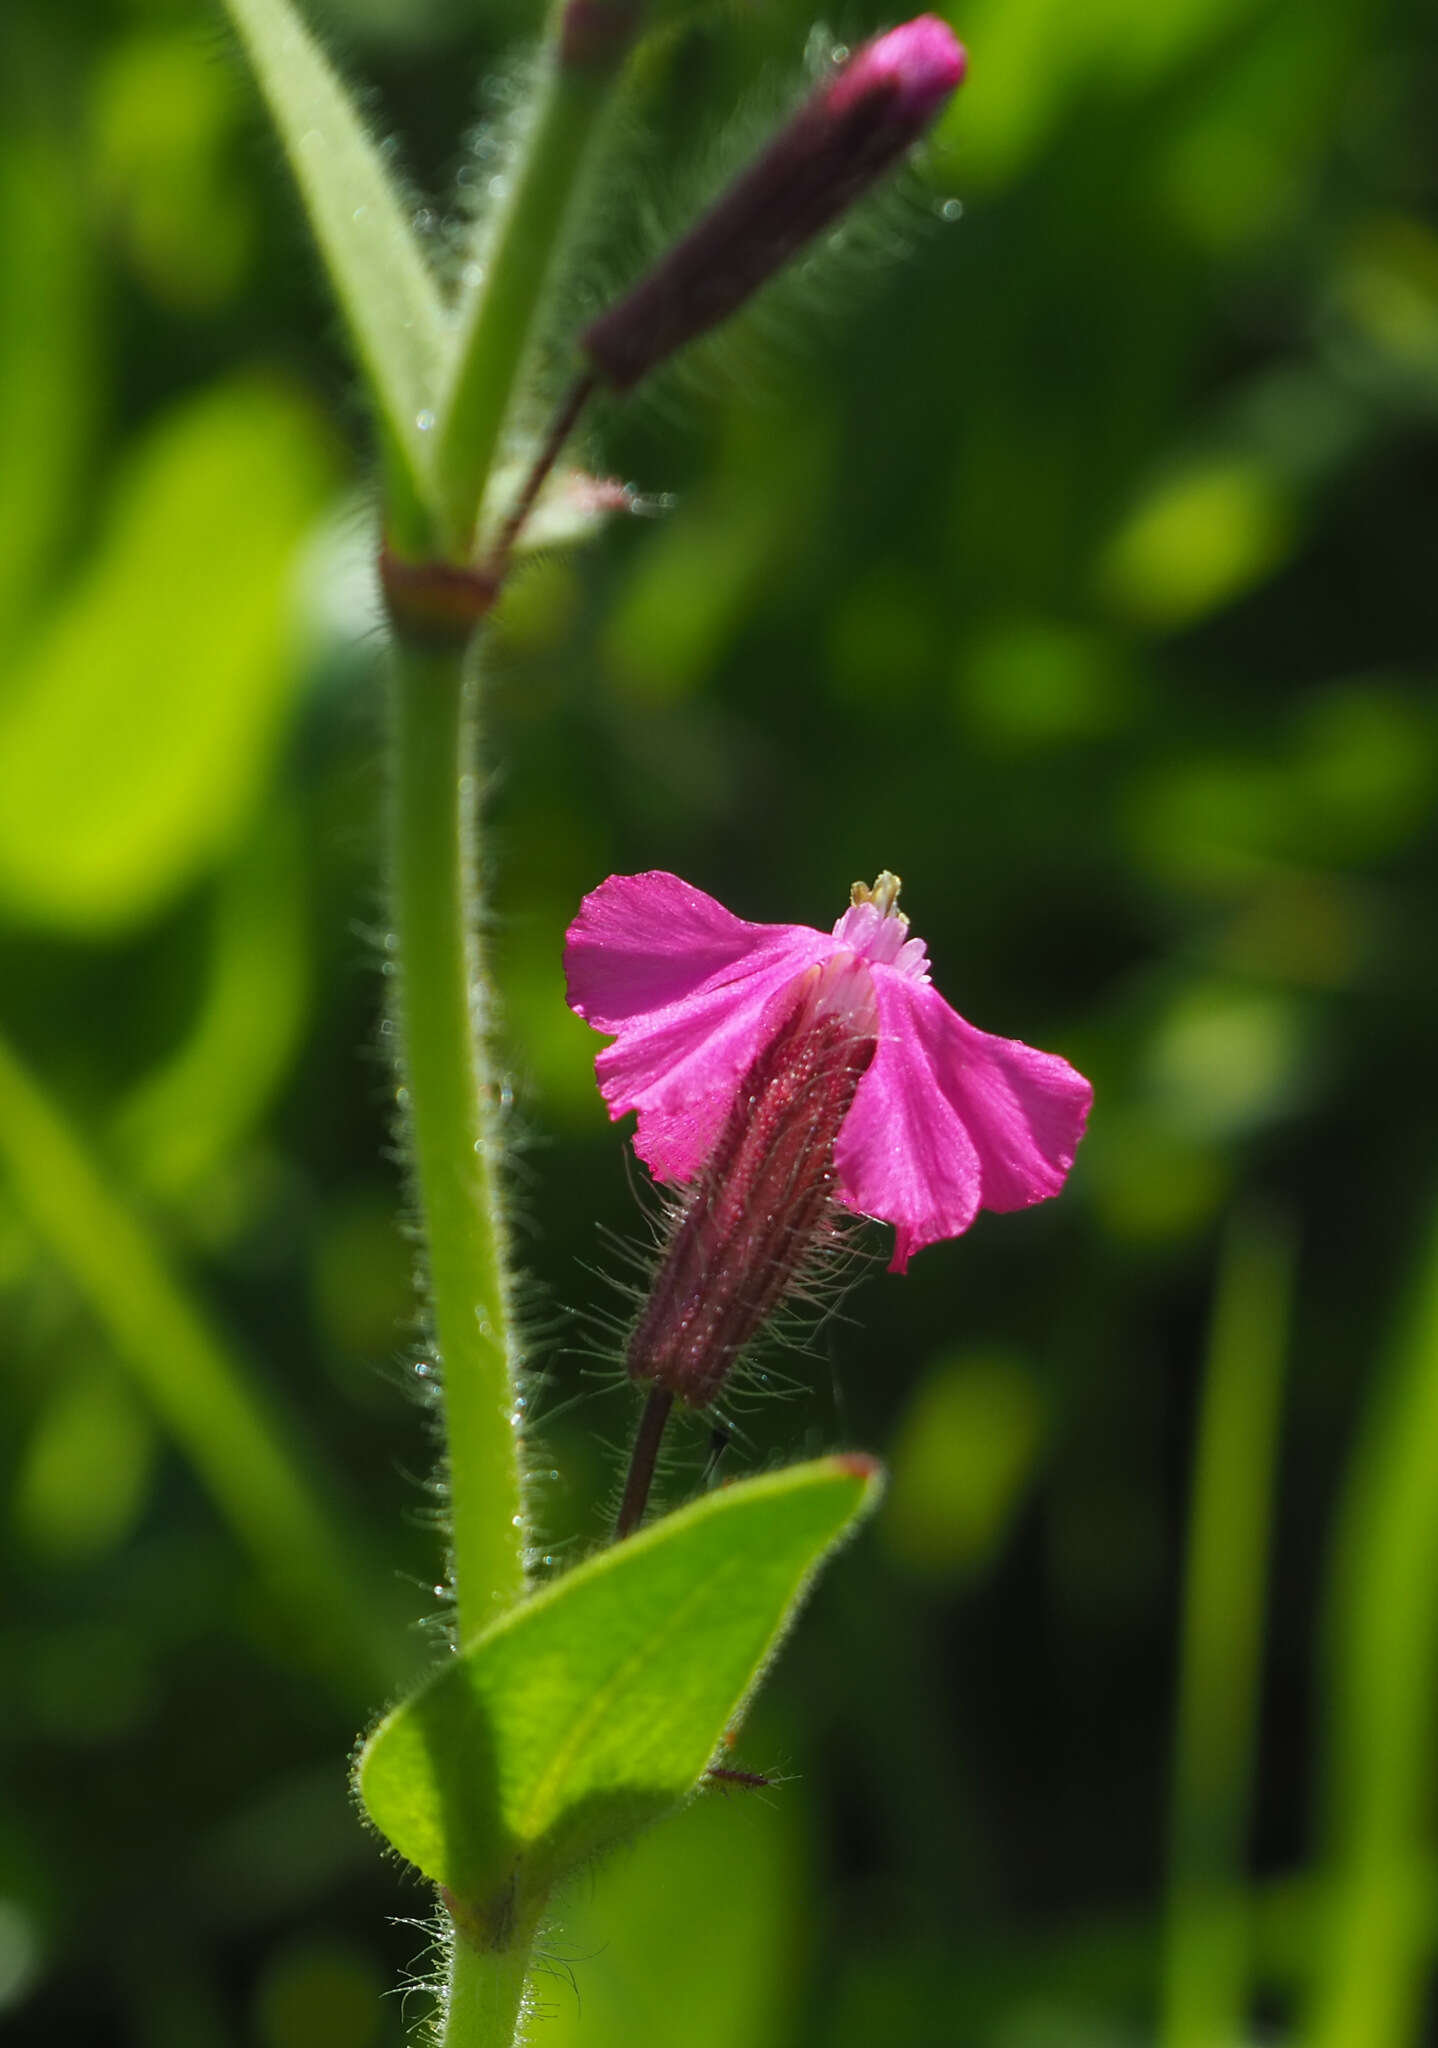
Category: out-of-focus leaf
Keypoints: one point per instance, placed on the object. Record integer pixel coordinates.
(1381, 1663)
(20, 1952)
(1387, 286)
(1208, 1952)
(195, 1109)
(596, 1705)
(1145, 44)
(320, 1990)
(967, 1449)
(86, 1468)
(239, 1446)
(1366, 767)
(141, 727)
(49, 359)
(1226, 1059)
(1196, 542)
(1239, 167)
(886, 637)
(1029, 685)
(1150, 1182)
(1027, 57)
(1355, 784)
(698, 578)
(164, 115)
(361, 222)
(548, 1054)
(723, 1879)
(1032, 59)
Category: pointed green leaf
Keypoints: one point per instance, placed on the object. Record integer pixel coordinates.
(597, 1705)
(383, 282)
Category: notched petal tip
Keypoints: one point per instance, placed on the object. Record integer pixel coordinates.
(949, 1120)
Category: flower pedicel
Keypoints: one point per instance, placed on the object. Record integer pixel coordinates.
(776, 1071)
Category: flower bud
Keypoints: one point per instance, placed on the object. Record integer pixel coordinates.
(837, 145)
(762, 1205)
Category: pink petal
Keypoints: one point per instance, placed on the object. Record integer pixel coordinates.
(686, 988)
(949, 1120)
(903, 1154)
(642, 942)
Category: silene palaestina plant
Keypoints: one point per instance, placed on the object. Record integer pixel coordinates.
(782, 1076)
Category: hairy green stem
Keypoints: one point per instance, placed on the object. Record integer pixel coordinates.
(1208, 1956)
(519, 260)
(484, 1995)
(452, 1116)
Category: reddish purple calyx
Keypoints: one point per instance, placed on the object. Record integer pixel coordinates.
(762, 1207)
(833, 150)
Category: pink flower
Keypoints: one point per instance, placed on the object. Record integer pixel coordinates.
(945, 1120)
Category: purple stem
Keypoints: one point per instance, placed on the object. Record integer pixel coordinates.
(642, 1461)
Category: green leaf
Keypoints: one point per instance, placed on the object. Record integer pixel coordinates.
(141, 726)
(361, 221)
(597, 1705)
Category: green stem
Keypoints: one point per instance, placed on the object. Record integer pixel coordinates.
(1208, 1946)
(1381, 1654)
(201, 1393)
(484, 1997)
(452, 1121)
(499, 321)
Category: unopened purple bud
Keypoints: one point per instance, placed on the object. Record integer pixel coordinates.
(763, 1205)
(921, 62)
(840, 143)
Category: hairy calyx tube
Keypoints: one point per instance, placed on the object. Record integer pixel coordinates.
(749, 1229)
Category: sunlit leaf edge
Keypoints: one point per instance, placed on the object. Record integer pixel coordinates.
(499, 1886)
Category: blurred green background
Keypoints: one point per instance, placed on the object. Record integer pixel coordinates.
(1065, 541)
